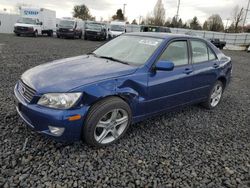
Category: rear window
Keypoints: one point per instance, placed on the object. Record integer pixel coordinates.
(199, 51)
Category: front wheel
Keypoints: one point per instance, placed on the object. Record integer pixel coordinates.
(107, 121)
(214, 96)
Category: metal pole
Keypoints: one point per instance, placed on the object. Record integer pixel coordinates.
(124, 6)
(246, 15)
(178, 7)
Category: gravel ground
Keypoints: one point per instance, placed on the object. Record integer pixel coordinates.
(192, 147)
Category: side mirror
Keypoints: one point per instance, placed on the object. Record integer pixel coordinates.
(41, 23)
(164, 65)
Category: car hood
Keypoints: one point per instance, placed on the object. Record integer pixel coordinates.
(67, 74)
(23, 25)
(116, 33)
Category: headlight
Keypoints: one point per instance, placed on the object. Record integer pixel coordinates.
(71, 29)
(59, 100)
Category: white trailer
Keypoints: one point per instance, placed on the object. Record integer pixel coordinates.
(36, 21)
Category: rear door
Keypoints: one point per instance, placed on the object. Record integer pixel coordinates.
(205, 66)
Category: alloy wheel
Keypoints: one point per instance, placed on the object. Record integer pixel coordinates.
(111, 126)
(216, 95)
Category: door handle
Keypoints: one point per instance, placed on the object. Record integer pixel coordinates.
(188, 71)
(216, 65)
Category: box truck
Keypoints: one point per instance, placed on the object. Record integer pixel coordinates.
(35, 21)
(70, 27)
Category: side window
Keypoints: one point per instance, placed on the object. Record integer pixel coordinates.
(199, 51)
(211, 55)
(177, 52)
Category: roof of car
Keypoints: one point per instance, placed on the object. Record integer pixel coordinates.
(160, 35)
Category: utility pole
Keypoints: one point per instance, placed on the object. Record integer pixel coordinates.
(227, 23)
(178, 8)
(244, 22)
(124, 6)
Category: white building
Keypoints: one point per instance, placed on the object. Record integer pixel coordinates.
(7, 22)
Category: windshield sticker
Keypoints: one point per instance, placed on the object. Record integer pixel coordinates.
(149, 42)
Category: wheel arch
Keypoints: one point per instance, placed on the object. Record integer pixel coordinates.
(223, 79)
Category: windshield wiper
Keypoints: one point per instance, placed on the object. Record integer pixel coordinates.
(114, 59)
(94, 54)
(109, 58)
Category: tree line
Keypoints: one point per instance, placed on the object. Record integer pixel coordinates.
(158, 18)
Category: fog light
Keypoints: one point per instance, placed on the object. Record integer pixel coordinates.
(56, 131)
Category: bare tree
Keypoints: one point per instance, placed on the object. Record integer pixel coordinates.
(159, 13)
(214, 23)
(237, 17)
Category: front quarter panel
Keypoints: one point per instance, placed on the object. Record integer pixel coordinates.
(131, 88)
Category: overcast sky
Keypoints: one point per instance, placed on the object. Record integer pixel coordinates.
(135, 8)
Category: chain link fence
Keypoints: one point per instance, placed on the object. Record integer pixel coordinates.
(236, 39)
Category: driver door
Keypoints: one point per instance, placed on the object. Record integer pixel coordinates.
(169, 89)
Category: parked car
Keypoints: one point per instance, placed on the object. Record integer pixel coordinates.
(218, 43)
(116, 29)
(95, 30)
(35, 21)
(70, 28)
(97, 96)
(149, 28)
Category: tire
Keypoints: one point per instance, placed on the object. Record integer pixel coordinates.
(80, 36)
(110, 112)
(58, 36)
(85, 37)
(212, 102)
(18, 35)
(50, 33)
(35, 34)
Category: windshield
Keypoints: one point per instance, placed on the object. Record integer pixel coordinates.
(93, 26)
(27, 21)
(117, 27)
(135, 50)
(66, 23)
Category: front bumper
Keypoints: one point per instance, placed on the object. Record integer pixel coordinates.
(66, 34)
(93, 36)
(40, 118)
(27, 32)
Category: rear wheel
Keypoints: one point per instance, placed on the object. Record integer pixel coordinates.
(106, 122)
(35, 34)
(214, 96)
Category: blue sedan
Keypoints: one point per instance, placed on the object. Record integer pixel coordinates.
(95, 97)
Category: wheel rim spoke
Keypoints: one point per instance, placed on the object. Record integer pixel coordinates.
(102, 136)
(115, 133)
(121, 120)
(102, 124)
(114, 115)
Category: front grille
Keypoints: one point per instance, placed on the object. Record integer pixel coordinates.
(91, 32)
(63, 30)
(19, 28)
(27, 92)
